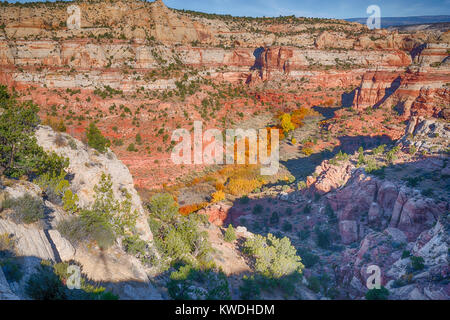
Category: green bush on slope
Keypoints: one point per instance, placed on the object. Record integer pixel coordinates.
(96, 140)
(26, 209)
(178, 237)
(19, 152)
(107, 218)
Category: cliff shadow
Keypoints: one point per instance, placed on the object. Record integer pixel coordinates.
(417, 50)
(257, 54)
(346, 102)
(326, 112)
(347, 98)
(31, 277)
(389, 91)
(46, 282)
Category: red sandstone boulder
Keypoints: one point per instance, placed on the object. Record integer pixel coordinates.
(348, 230)
(331, 177)
(217, 213)
(386, 197)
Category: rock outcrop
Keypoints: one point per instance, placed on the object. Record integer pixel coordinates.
(86, 168)
(422, 92)
(120, 272)
(385, 204)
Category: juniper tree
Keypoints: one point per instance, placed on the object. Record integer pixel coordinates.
(19, 152)
(95, 139)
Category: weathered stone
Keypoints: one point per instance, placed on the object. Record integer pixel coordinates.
(65, 250)
(348, 230)
(87, 167)
(386, 197)
(396, 234)
(375, 213)
(31, 242)
(433, 246)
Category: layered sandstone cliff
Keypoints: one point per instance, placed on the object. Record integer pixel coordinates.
(144, 57)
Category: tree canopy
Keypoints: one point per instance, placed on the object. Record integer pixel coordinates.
(19, 152)
(95, 139)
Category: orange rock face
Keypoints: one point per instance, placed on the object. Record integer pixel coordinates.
(423, 92)
(145, 63)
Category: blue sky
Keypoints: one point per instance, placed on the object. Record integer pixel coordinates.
(313, 8)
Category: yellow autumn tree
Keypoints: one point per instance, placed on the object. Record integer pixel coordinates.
(286, 123)
(218, 196)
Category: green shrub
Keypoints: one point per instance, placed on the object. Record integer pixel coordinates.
(132, 148)
(332, 293)
(361, 159)
(406, 254)
(413, 181)
(118, 142)
(88, 227)
(7, 243)
(230, 234)
(96, 140)
(138, 139)
(379, 149)
(307, 209)
(287, 226)
(274, 258)
(163, 207)
(252, 286)
(257, 209)
(249, 289)
(391, 155)
(371, 166)
(183, 281)
(308, 259)
(377, 294)
(323, 238)
(341, 156)
(73, 229)
(244, 200)
(301, 185)
(70, 201)
(99, 229)
(12, 270)
(403, 280)
(73, 144)
(417, 263)
(274, 219)
(178, 237)
(304, 234)
(134, 245)
(45, 285)
(314, 284)
(105, 220)
(332, 217)
(428, 192)
(54, 185)
(26, 209)
(317, 197)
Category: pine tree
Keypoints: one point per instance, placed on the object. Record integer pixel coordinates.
(19, 152)
(96, 140)
(230, 234)
(361, 159)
